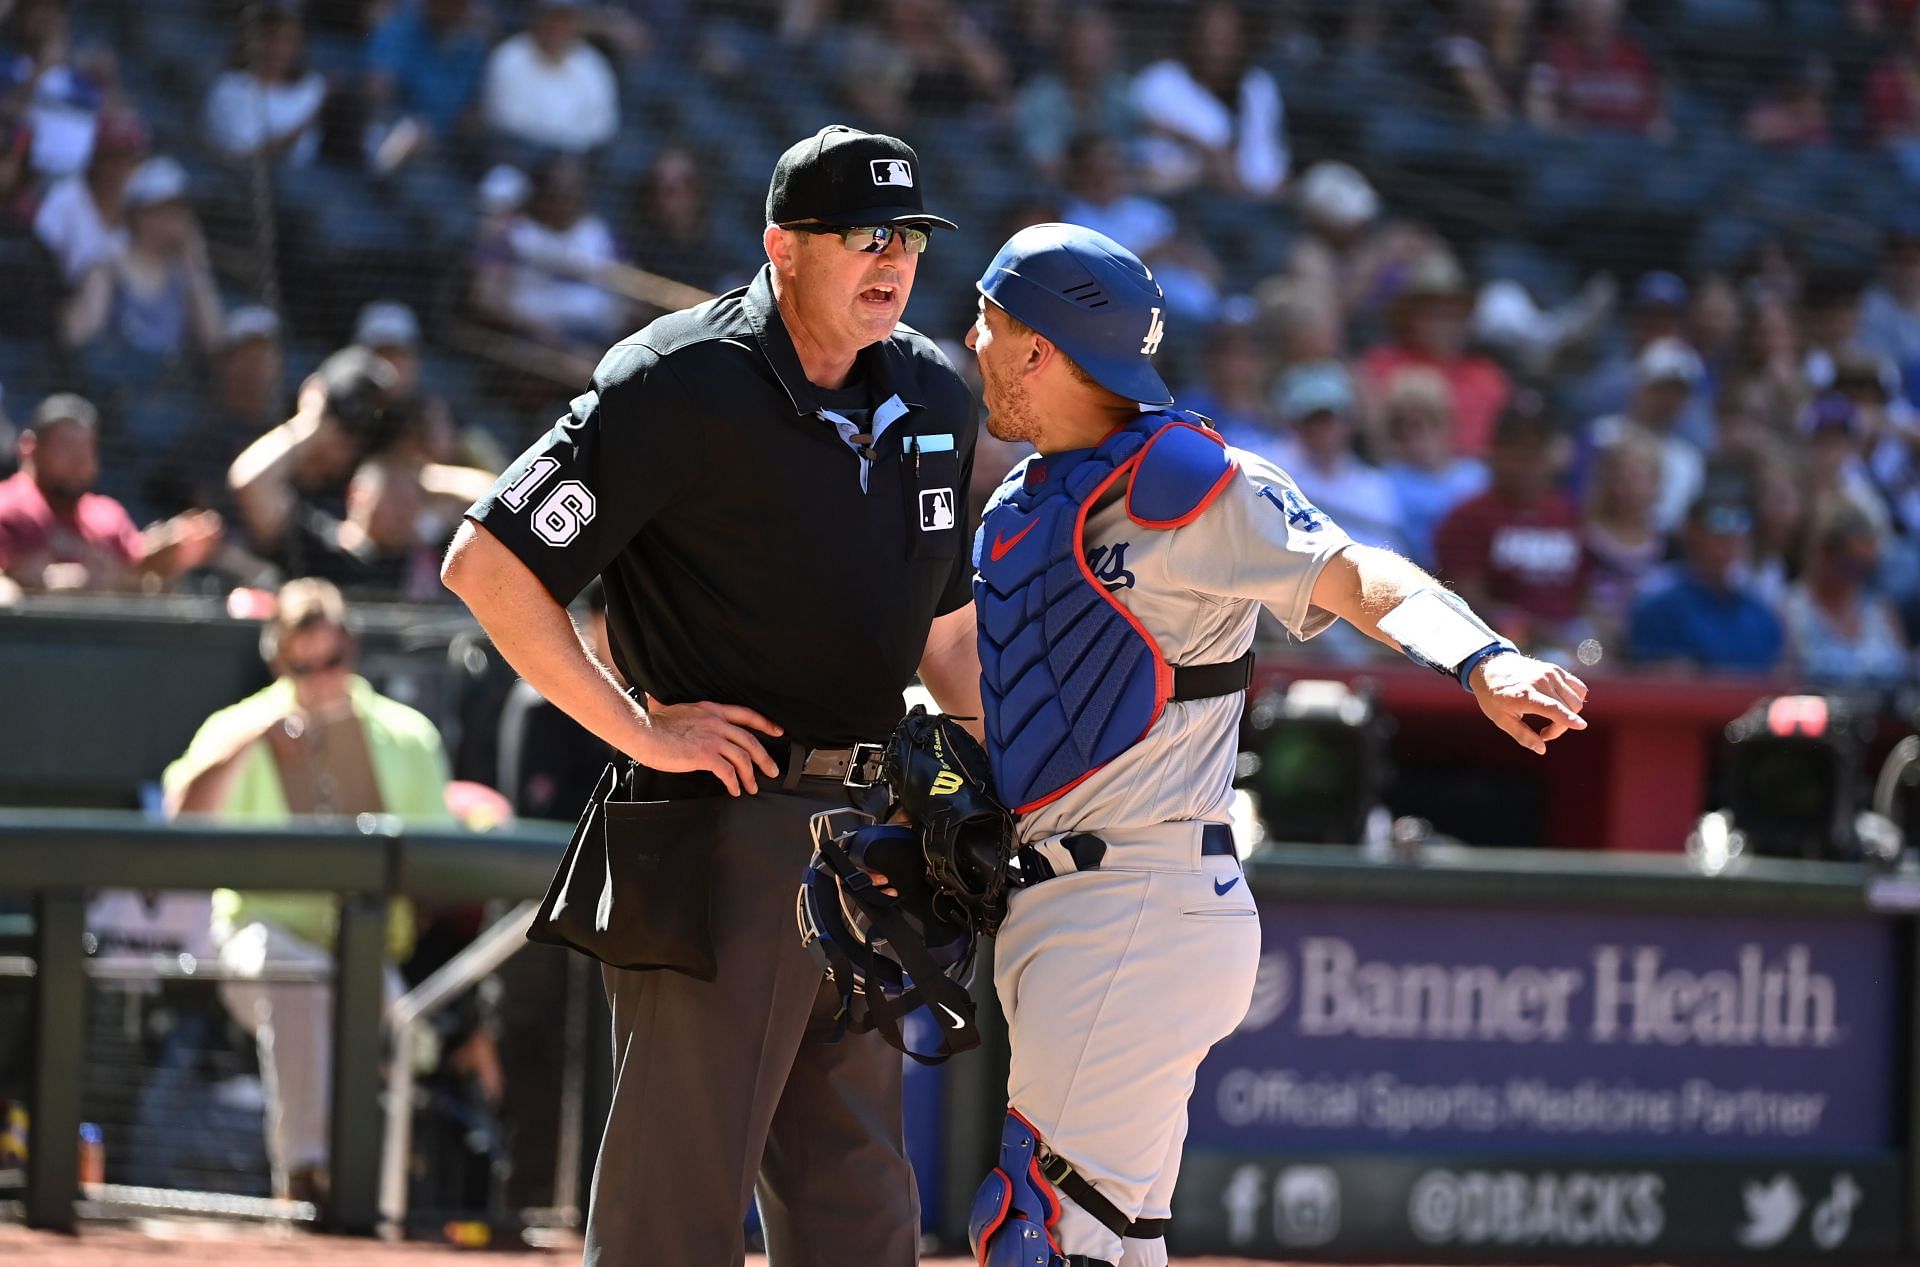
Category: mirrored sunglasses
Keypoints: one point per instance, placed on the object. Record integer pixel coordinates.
(872, 239)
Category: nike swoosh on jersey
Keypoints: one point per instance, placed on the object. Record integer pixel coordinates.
(1221, 890)
(959, 1021)
(1000, 547)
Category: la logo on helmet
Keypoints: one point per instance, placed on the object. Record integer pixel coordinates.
(1156, 331)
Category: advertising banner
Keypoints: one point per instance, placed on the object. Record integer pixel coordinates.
(1540, 1032)
(1521, 1207)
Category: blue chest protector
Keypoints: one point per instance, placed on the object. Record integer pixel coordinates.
(1069, 677)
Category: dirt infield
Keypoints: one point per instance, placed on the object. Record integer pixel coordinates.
(234, 1245)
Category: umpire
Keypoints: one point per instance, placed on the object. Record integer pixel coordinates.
(773, 486)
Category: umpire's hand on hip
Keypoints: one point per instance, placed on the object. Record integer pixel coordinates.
(717, 738)
(1512, 688)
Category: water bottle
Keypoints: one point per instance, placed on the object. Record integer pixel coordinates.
(93, 1154)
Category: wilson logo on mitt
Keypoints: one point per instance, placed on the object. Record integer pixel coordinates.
(937, 775)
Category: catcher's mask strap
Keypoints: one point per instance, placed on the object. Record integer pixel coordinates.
(945, 999)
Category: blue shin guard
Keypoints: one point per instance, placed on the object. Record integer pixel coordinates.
(1016, 1208)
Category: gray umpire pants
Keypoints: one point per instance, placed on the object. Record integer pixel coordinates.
(717, 1083)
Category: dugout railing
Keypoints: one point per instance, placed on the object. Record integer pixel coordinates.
(54, 858)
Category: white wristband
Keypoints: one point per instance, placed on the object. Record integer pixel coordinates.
(1437, 629)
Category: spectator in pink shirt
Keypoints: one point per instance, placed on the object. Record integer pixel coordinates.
(1429, 318)
(57, 534)
(1795, 112)
(1595, 75)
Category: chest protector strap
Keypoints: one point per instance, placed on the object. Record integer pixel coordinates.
(1071, 678)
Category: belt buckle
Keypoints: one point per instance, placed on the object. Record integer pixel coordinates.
(858, 758)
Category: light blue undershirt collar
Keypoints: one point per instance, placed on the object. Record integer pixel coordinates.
(888, 412)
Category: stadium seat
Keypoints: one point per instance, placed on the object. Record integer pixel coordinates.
(342, 243)
(1721, 242)
(1322, 122)
(1548, 277)
(157, 417)
(183, 54)
(32, 286)
(1562, 185)
(622, 166)
(24, 373)
(1720, 15)
(339, 56)
(1813, 23)
(454, 377)
(1682, 180)
(437, 199)
(1396, 135)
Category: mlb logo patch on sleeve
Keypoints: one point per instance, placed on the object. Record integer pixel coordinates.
(936, 509)
(892, 171)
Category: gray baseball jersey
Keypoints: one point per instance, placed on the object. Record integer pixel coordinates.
(1087, 965)
(1198, 590)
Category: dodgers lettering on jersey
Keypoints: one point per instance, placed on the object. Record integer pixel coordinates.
(1198, 590)
(1109, 566)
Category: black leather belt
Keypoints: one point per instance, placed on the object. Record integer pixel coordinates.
(1087, 850)
(1217, 838)
(855, 766)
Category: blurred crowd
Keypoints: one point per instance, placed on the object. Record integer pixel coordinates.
(295, 278)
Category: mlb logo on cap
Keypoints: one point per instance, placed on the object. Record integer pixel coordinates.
(892, 171)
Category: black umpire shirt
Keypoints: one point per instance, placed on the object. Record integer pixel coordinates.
(744, 561)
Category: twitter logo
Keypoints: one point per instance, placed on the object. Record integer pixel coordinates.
(1772, 1210)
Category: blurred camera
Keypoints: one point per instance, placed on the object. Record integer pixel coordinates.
(362, 394)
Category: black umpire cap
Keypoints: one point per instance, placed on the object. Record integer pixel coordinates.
(846, 177)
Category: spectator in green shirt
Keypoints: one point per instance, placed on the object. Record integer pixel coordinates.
(319, 742)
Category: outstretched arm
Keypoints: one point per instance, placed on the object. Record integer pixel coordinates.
(1369, 587)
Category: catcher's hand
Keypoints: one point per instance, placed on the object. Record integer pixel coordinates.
(939, 779)
(1512, 688)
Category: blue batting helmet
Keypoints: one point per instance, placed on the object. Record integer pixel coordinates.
(1091, 297)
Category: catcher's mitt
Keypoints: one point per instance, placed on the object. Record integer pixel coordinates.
(938, 776)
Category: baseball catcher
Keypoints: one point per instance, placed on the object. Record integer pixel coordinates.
(1112, 704)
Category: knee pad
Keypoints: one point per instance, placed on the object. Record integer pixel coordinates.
(1016, 1208)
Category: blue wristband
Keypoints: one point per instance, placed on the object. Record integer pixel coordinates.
(1467, 666)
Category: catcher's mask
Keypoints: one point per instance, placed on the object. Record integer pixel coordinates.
(888, 954)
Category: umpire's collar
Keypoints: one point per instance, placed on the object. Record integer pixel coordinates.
(890, 364)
